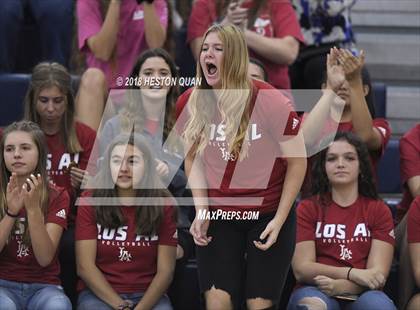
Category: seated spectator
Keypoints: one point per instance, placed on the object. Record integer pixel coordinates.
(150, 110)
(49, 102)
(410, 178)
(345, 234)
(271, 31)
(256, 70)
(54, 23)
(410, 168)
(413, 237)
(135, 265)
(33, 215)
(324, 24)
(112, 34)
(346, 105)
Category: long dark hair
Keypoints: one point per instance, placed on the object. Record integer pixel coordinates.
(135, 111)
(148, 217)
(366, 183)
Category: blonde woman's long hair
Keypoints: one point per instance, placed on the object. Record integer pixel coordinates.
(41, 168)
(233, 100)
(48, 74)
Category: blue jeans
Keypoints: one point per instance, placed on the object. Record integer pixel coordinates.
(32, 296)
(54, 19)
(88, 300)
(372, 300)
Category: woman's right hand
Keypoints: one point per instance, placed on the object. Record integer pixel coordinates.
(14, 195)
(371, 278)
(198, 230)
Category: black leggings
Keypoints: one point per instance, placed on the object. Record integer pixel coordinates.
(232, 263)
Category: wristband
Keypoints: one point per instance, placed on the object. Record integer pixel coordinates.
(348, 273)
(10, 214)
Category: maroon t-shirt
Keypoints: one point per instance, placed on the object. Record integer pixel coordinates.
(17, 261)
(409, 163)
(256, 182)
(59, 159)
(343, 235)
(276, 20)
(128, 261)
(413, 221)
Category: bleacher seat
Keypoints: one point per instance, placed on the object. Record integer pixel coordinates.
(389, 184)
(12, 92)
(13, 88)
(389, 169)
(184, 57)
(379, 92)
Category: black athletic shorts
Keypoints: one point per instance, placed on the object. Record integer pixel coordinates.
(232, 263)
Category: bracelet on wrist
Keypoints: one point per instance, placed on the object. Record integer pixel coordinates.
(11, 214)
(348, 273)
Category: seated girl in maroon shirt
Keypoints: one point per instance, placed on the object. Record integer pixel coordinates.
(345, 234)
(125, 246)
(33, 215)
(413, 238)
(49, 102)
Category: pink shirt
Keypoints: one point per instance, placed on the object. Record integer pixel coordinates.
(131, 40)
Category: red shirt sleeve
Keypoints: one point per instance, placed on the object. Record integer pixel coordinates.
(59, 206)
(87, 137)
(282, 121)
(385, 130)
(410, 154)
(284, 20)
(202, 16)
(167, 232)
(382, 223)
(89, 21)
(413, 222)
(306, 221)
(86, 228)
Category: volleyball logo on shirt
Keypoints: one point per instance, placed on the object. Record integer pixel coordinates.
(124, 256)
(262, 26)
(22, 250)
(345, 253)
(218, 138)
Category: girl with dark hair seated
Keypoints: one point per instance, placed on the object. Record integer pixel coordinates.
(126, 232)
(345, 234)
